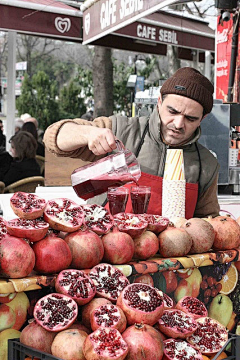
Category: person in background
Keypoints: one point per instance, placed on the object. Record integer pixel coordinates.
(18, 124)
(185, 99)
(23, 164)
(31, 128)
(2, 136)
(35, 122)
(88, 115)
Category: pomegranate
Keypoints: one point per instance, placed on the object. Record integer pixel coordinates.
(52, 255)
(78, 325)
(168, 302)
(108, 315)
(156, 223)
(177, 324)
(175, 349)
(174, 242)
(209, 337)
(17, 258)
(27, 206)
(91, 306)
(192, 306)
(86, 248)
(105, 344)
(3, 227)
(75, 284)
(55, 312)
(109, 281)
(68, 344)
(177, 221)
(33, 230)
(132, 224)
(63, 214)
(36, 336)
(146, 245)
(202, 234)
(227, 233)
(97, 218)
(144, 342)
(141, 303)
(118, 247)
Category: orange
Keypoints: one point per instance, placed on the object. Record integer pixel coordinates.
(229, 280)
(223, 355)
(205, 357)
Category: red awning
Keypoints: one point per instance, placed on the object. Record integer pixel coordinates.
(46, 18)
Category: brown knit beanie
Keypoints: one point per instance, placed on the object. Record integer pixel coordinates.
(191, 83)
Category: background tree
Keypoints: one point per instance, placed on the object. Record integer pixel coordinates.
(71, 104)
(38, 98)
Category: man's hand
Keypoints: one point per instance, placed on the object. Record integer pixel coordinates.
(100, 140)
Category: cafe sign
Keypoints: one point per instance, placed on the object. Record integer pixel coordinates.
(107, 16)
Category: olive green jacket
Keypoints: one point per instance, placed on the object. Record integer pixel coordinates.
(152, 154)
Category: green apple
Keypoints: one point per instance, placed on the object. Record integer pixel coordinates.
(221, 309)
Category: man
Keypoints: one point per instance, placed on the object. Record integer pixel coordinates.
(185, 99)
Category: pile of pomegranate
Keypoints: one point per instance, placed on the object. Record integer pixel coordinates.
(49, 237)
(94, 312)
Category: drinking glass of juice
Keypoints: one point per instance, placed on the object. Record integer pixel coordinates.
(117, 198)
(140, 196)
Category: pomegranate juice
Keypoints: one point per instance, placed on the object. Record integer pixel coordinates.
(93, 187)
(117, 198)
(140, 200)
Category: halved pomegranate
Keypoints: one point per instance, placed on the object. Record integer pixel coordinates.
(132, 224)
(63, 214)
(177, 324)
(209, 337)
(141, 303)
(76, 284)
(156, 223)
(109, 281)
(192, 306)
(27, 206)
(180, 349)
(33, 230)
(3, 227)
(97, 218)
(105, 344)
(168, 302)
(55, 312)
(108, 315)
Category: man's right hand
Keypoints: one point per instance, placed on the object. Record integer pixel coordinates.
(100, 140)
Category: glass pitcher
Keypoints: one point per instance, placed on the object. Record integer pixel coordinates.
(113, 170)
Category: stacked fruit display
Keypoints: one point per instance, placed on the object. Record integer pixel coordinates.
(80, 244)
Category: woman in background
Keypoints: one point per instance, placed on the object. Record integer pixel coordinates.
(24, 164)
(31, 128)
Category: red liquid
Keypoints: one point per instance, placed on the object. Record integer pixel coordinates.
(93, 187)
(117, 202)
(140, 201)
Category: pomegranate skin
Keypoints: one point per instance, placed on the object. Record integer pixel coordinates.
(141, 303)
(174, 242)
(68, 344)
(36, 336)
(146, 245)
(108, 315)
(17, 258)
(86, 248)
(144, 342)
(192, 306)
(52, 255)
(227, 233)
(202, 234)
(118, 247)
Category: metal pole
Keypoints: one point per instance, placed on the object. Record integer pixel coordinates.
(11, 79)
(207, 70)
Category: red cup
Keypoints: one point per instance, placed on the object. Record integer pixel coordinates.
(140, 196)
(117, 198)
